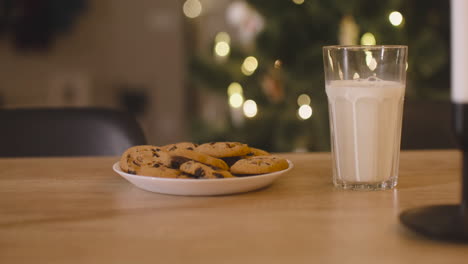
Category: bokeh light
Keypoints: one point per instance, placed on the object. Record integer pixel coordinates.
(250, 108)
(222, 48)
(223, 37)
(298, 2)
(236, 100)
(304, 112)
(249, 65)
(368, 39)
(192, 8)
(234, 88)
(278, 64)
(303, 99)
(395, 18)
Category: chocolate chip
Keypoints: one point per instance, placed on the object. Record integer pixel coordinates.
(212, 143)
(196, 145)
(156, 155)
(190, 148)
(134, 162)
(267, 163)
(158, 149)
(199, 172)
(218, 175)
(132, 172)
(157, 165)
(231, 160)
(173, 148)
(177, 161)
(189, 175)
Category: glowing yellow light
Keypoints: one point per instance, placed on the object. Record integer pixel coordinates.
(250, 108)
(303, 99)
(395, 18)
(192, 8)
(368, 39)
(222, 49)
(223, 37)
(368, 57)
(304, 112)
(407, 66)
(278, 64)
(298, 2)
(372, 64)
(234, 88)
(249, 66)
(236, 100)
(245, 72)
(370, 61)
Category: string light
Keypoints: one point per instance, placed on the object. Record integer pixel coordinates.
(368, 39)
(223, 37)
(222, 48)
(395, 18)
(250, 108)
(249, 65)
(234, 88)
(298, 2)
(236, 100)
(278, 64)
(304, 112)
(192, 8)
(303, 99)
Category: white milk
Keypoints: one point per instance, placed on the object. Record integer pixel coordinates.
(365, 119)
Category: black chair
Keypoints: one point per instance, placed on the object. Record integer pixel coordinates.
(427, 125)
(67, 132)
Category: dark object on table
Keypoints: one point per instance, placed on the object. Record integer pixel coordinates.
(427, 125)
(67, 132)
(135, 102)
(446, 222)
(438, 221)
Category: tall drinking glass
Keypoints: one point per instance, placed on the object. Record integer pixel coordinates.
(365, 86)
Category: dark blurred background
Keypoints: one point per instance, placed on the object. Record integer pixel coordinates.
(206, 70)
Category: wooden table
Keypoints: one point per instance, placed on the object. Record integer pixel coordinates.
(77, 210)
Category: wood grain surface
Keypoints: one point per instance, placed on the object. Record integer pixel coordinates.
(77, 210)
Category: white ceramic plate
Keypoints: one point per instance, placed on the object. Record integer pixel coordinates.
(201, 186)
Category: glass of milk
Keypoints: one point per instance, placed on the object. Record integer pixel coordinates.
(365, 86)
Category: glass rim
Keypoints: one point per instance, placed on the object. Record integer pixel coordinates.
(363, 47)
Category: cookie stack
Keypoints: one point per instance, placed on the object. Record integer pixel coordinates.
(187, 160)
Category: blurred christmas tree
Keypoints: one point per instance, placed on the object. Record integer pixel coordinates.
(272, 73)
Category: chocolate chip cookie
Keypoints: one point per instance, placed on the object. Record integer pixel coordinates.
(224, 149)
(180, 155)
(259, 165)
(143, 156)
(257, 152)
(160, 171)
(202, 171)
(180, 145)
